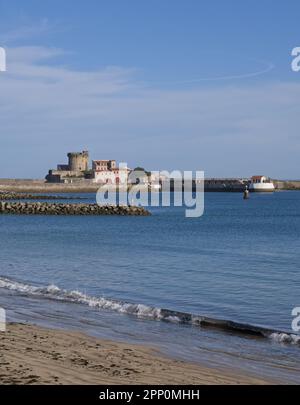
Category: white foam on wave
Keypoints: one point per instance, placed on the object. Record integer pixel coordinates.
(174, 319)
(54, 292)
(140, 310)
(280, 337)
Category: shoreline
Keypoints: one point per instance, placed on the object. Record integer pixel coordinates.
(32, 354)
(40, 186)
(35, 305)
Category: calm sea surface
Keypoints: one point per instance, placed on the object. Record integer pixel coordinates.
(110, 275)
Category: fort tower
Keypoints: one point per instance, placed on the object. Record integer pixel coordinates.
(78, 161)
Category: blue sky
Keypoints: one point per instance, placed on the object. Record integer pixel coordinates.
(191, 85)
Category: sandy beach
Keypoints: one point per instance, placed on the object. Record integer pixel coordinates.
(35, 355)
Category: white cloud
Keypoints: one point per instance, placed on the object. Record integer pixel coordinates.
(32, 54)
(27, 30)
(237, 129)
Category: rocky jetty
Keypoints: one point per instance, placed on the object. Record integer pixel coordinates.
(5, 195)
(45, 208)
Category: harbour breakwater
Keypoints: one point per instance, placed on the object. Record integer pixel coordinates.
(24, 196)
(46, 208)
(87, 186)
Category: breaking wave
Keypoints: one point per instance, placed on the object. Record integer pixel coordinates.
(282, 337)
(149, 312)
(56, 293)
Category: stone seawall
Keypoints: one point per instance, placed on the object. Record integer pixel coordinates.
(39, 186)
(44, 208)
(24, 196)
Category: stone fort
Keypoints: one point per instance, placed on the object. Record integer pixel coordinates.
(76, 169)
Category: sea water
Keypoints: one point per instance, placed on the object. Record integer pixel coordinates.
(114, 277)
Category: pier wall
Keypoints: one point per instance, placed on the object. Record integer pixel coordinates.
(44, 208)
(87, 186)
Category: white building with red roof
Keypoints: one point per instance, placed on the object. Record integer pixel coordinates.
(261, 183)
(107, 172)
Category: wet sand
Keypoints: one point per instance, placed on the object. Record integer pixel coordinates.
(35, 355)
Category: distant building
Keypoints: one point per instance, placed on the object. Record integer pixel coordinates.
(261, 183)
(107, 172)
(76, 169)
(103, 165)
(152, 180)
(78, 161)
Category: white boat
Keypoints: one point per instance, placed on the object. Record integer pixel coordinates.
(262, 184)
